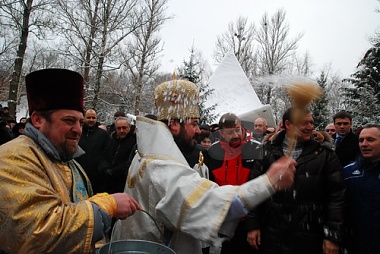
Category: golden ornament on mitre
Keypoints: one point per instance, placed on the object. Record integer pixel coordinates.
(176, 99)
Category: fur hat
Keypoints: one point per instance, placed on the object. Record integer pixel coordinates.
(176, 99)
(51, 89)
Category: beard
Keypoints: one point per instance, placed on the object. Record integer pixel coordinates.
(66, 151)
(185, 143)
(235, 142)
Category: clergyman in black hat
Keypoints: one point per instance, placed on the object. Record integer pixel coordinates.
(46, 201)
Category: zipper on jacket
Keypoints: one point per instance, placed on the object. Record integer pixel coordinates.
(225, 172)
(237, 170)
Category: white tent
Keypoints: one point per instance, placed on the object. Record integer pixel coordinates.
(233, 93)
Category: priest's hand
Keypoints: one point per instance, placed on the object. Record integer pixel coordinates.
(126, 205)
(281, 173)
(254, 238)
(329, 247)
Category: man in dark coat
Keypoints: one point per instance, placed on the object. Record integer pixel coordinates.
(96, 143)
(308, 218)
(122, 143)
(111, 128)
(6, 116)
(5, 134)
(346, 142)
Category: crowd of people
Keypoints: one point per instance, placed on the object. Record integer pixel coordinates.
(9, 128)
(221, 188)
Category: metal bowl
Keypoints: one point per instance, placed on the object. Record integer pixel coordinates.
(135, 247)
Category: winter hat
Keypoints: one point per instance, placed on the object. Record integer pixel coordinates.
(51, 89)
(205, 127)
(176, 99)
(228, 120)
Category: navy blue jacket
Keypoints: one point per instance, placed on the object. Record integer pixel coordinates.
(363, 206)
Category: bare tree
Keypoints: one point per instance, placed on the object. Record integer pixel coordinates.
(25, 17)
(275, 46)
(142, 51)
(300, 65)
(279, 97)
(92, 31)
(8, 43)
(375, 38)
(334, 90)
(240, 39)
(274, 43)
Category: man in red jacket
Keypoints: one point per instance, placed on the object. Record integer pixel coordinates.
(230, 161)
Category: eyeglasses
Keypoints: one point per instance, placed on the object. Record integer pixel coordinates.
(328, 130)
(343, 123)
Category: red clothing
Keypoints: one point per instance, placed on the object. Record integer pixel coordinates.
(232, 170)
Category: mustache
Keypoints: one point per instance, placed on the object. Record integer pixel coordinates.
(74, 136)
(235, 142)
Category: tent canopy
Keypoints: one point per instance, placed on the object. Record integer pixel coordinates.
(233, 93)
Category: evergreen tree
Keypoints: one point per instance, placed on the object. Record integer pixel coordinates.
(364, 97)
(192, 71)
(319, 108)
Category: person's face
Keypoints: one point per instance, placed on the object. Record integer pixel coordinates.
(90, 118)
(305, 128)
(63, 130)
(369, 143)
(260, 127)
(206, 143)
(342, 126)
(330, 129)
(233, 136)
(122, 128)
(186, 134)
(23, 120)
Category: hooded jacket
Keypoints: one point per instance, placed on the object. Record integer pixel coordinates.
(232, 166)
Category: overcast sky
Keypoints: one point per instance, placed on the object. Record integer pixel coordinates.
(335, 31)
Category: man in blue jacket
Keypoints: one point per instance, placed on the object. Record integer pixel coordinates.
(363, 194)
